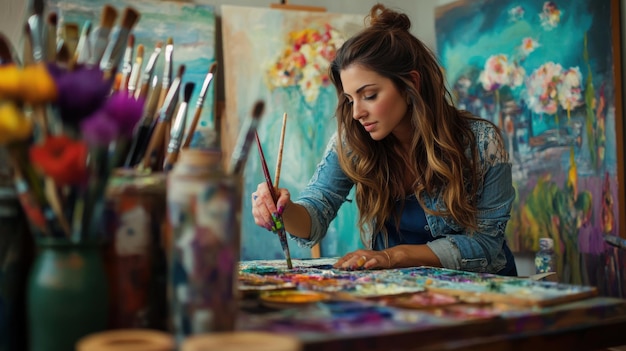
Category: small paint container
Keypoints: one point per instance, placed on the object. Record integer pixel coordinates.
(135, 255)
(127, 340)
(241, 341)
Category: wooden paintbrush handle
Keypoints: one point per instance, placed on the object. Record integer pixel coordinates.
(192, 127)
(154, 152)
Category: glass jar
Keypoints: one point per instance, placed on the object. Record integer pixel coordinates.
(545, 260)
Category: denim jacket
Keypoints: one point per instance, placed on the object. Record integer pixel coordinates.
(481, 251)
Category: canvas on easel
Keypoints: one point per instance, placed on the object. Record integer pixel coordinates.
(282, 57)
(190, 25)
(547, 73)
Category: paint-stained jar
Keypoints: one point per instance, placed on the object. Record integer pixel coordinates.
(135, 251)
(202, 206)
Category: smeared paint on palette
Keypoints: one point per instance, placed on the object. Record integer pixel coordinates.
(318, 275)
(288, 299)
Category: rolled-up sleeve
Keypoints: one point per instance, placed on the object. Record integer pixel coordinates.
(481, 250)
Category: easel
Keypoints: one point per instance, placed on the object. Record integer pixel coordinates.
(315, 250)
(285, 6)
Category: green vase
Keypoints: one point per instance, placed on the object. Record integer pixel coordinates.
(67, 294)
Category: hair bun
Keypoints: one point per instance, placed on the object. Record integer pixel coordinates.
(382, 17)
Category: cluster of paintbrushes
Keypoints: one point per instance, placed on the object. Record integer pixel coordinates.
(78, 106)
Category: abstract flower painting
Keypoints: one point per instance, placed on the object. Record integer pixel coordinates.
(544, 71)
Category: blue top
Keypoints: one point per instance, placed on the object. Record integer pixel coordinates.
(414, 230)
(483, 250)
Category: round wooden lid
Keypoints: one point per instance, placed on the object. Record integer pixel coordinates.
(241, 341)
(127, 340)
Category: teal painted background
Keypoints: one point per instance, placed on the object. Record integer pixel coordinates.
(191, 26)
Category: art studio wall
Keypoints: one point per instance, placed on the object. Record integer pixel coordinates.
(422, 15)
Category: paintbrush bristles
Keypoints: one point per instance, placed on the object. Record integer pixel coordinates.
(108, 17)
(188, 91)
(129, 18)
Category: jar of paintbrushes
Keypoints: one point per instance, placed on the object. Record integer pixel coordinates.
(202, 206)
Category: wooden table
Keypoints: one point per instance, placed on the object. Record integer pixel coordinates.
(589, 323)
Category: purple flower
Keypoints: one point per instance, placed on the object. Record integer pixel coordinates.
(125, 111)
(81, 93)
(99, 129)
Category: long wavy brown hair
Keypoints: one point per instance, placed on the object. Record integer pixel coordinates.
(437, 158)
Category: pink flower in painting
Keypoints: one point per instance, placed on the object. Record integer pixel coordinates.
(570, 92)
(542, 88)
(304, 61)
(499, 72)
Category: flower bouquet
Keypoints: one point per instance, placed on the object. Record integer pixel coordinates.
(64, 125)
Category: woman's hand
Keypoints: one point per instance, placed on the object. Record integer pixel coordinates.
(365, 259)
(264, 210)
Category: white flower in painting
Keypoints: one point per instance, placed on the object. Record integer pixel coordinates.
(528, 45)
(570, 92)
(516, 13)
(542, 88)
(499, 72)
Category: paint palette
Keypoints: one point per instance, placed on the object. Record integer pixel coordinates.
(318, 275)
(419, 301)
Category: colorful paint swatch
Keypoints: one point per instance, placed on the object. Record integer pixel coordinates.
(466, 286)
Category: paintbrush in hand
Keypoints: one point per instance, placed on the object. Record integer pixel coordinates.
(278, 221)
(279, 160)
(178, 130)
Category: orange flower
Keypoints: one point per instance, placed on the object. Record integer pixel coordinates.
(14, 126)
(62, 159)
